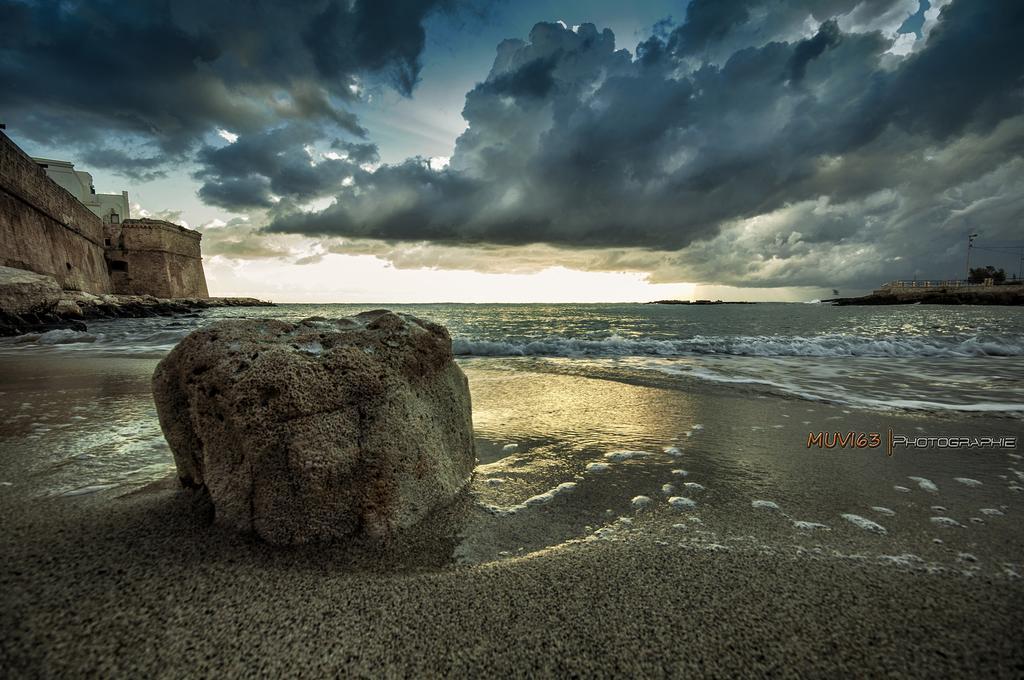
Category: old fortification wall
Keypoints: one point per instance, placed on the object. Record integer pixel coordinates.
(154, 257)
(45, 229)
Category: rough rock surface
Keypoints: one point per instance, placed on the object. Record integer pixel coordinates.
(27, 292)
(322, 429)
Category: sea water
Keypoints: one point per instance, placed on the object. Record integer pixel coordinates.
(929, 358)
(701, 412)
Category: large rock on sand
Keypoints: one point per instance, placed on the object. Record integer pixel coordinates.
(320, 429)
(24, 292)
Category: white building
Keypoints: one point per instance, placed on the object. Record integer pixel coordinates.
(111, 208)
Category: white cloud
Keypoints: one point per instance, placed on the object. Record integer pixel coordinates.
(903, 44)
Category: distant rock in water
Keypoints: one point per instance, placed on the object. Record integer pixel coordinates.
(322, 429)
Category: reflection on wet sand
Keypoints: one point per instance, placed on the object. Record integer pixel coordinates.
(564, 456)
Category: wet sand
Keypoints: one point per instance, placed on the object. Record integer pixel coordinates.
(135, 580)
(142, 589)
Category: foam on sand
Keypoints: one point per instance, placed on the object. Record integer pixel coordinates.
(906, 560)
(548, 496)
(882, 511)
(682, 503)
(668, 489)
(992, 512)
(945, 522)
(597, 467)
(672, 451)
(810, 526)
(764, 505)
(901, 489)
(694, 486)
(619, 456)
(864, 523)
(680, 473)
(967, 481)
(925, 484)
(85, 490)
(640, 501)
(539, 499)
(510, 447)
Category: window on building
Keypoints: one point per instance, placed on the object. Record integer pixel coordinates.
(118, 266)
(106, 241)
(114, 218)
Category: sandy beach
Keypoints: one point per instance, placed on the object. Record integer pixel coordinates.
(763, 575)
(139, 589)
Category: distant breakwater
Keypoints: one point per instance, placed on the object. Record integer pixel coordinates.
(987, 295)
(73, 311)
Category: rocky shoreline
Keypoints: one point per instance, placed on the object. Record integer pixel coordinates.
(32, 303)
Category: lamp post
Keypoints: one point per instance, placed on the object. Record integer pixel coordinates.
(970, 244)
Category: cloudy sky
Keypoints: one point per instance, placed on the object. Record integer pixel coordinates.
(464, 150)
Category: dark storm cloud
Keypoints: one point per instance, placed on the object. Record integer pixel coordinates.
(166, 74)
(533, 79)
(717, 28)
(707, 21)
(137, 166)
(824, 132)
(806, 50)
(356, 152)
(970, 75)
(260, 170)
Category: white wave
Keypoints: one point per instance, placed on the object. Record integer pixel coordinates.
(60, 336)
(828, 345)
(839, 394)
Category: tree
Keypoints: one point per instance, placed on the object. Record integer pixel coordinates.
(979, 274)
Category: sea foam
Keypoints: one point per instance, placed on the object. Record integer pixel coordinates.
(826, 345)
(864, 523)
(925, 484)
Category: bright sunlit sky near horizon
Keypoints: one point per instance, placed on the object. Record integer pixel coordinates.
(474, 151)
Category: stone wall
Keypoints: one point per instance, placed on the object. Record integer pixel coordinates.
(154, 257)
(45, 229)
